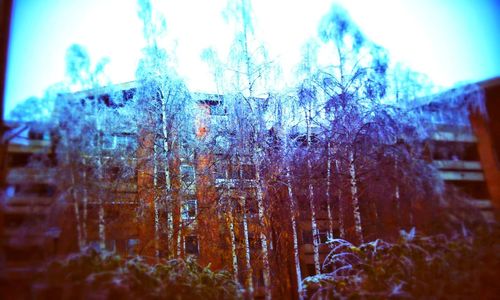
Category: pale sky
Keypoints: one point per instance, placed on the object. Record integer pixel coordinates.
(449, 40)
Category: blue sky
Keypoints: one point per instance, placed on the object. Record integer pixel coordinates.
(450, 40)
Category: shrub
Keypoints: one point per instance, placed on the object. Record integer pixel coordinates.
(434, 267)
(93, 275)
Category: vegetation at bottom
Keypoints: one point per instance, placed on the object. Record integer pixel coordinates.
(93, 275)
(465, 266)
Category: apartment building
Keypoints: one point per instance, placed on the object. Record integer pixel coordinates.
(35, 226)
(30, 232)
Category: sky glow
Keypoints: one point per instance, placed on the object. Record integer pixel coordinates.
(450, 41)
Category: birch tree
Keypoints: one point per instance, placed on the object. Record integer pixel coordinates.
(352, 89)
(163, 100)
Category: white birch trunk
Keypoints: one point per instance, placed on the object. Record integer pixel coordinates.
(314, 225)
(102, 221)
(340, 206)
(355, 200)
(78, 222)
(328, 196)
(262, 225)
(397, 195)
(156, 205)
(76, 208)
(249, 277)
(100, 179)
(85, 206)
(170, 219)
(233, 245)
(293, 210)
(179, 239)
(230, 223)
(310, 197)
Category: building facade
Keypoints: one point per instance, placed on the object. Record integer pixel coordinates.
(119, 194)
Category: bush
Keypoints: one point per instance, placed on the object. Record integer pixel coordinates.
(93, 275)
(434, 267)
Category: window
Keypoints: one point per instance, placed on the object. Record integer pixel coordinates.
(189, 210)
(310, 270)
(94, 244)
(450, 150)
(216, 107)
(10, 191)
(252, 207)
(323, 236)
(248, 171)
(122, 141)
(132, 247)
(109, 142)
(187, 173)
(111, 245)
(19, 159)
(307, 237)
(113, 172)
(220, 169)
(191, 245)
(37, 135)
(39, 189)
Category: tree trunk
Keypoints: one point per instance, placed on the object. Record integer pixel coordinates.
(310, 198)
(314, 225)
(78, 222)
(262, 225)
(168, 188)
(156, 205)
(249, 275)
(328, 196)
(230, 221)
(76, 207)
(85, 206)
(102, 221)
(340, 206)
(293, 211)
(355, 200)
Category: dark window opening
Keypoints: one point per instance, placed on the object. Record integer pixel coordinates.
(310, 270)
(323, 237)
(17, 160)
(248, 171)
(189, 209)
(307, 237)
(40, 189)
(447, 150)
(191, 245)
(132, 246)
(473, 189)
(36, 135)
(252, 207)
(187, 173)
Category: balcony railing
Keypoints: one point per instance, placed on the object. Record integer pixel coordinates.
(458, 165)
(461, 176)
(30, 175)
(454, 136)
(31, 146)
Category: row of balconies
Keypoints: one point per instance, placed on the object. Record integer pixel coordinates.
(460, 172)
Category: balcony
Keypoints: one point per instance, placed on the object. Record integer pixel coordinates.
(481, 203)
(458, 165)
(454, 136)
(29, 200)
(30, 175)
(232, 183)
(31, 146)
(461, 176)
(26, 210)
